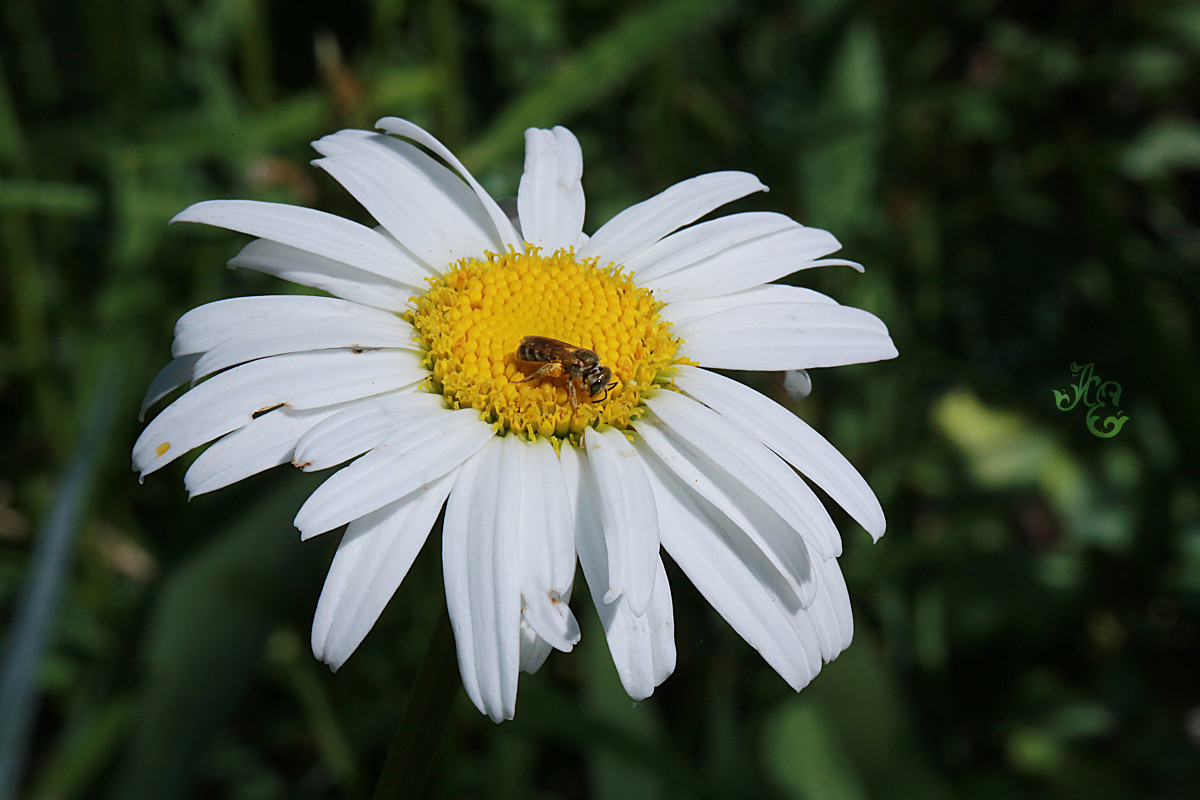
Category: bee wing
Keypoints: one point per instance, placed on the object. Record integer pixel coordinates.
(548, 349)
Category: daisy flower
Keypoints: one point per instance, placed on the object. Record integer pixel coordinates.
(606, 438)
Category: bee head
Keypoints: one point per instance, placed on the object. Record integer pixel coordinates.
(597, 381)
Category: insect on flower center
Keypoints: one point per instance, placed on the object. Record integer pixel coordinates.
(476, 321)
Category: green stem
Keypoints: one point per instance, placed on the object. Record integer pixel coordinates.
(33, 619)
(414, 748)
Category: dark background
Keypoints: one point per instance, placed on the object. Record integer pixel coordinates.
(1020, 180)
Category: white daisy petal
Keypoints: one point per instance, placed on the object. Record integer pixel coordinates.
(770, 308)
(311, 231)
(833, 607)
(291, 336)
(334, 277)
(371, 561)
(547, 541)
(704, 240)
(833, 262)
(427, 207)
(797, 383)
(265, 442)
(638, 227)
(361, 427)
(231, 399)
(213, 324)
(731, 253)
(684, 312)
(790, 437)
(456, 549)
(420, 448)
(626, 506)
(736, 506)
(534, 649)
(642, 646)
(176, 373)
(480, 564)
(752, 462)
(746, 264)
(740, 586)
(402, 127)
(550, 200)
(785, 336)
(731, 578)
(827, 620)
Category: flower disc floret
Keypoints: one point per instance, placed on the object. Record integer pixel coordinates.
(474, 316)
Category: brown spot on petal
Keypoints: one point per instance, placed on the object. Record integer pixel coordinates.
(266, 409)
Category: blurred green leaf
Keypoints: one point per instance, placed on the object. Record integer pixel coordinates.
(12, 140)
(88, 752)
(1003, 449)
(804, 753)
(50, 198)
(1166, 146)
(599, 68)
(206, 638)
(1179, 21)
(867, 730)
(287, 652)
(838, 164)
(614, 774)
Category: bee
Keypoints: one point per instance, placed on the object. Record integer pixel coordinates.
(559, 358)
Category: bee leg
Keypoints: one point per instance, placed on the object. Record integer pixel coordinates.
(571, 394)
(551, 370)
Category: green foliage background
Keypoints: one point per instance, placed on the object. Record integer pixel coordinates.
(1020, 180)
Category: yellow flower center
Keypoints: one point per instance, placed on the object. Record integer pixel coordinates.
(473, 318)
